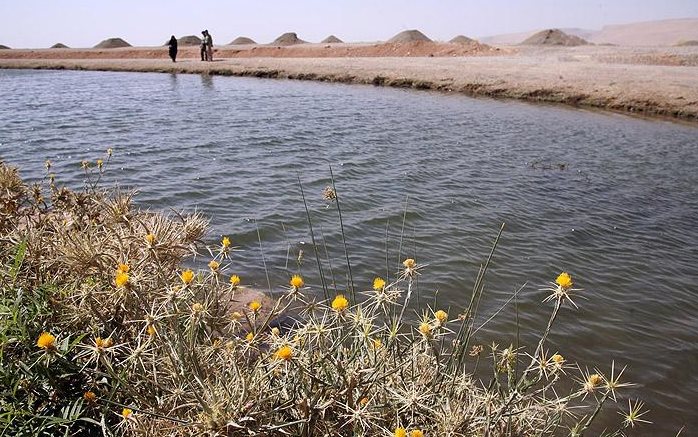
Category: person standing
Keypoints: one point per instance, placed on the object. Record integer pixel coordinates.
(204, 51)
(173, 48)
(209, 46)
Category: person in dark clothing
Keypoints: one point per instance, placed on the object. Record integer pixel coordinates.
(173, 48)
(209, 46)
(204, 46)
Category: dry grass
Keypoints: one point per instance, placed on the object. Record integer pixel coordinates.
(105, 332)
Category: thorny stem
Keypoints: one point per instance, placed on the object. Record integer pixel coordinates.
(595, 413)
(344, 240)
(312, 236)
(261, 251)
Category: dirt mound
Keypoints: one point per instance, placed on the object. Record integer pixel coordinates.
(241, 40)
(189, 40)
(287, 39)
(331, 39)
(59, 45)
(112, 43)
(460, 39)
(686, 43)
(553, 37)
(409, 36)
(2, 47)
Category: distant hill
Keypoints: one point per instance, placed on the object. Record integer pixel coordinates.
(189, 40)
(112, 43)
(331, 40)
(461, 39)
(409, 36)
(241, 40)
(287, 39)
(507, 38)
(59, 45)
(649, 33)
(2, 47)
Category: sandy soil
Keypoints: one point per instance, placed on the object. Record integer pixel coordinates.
(648, 81)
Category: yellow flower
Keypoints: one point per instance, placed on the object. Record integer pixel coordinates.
(378, 284)
(197, 308)
(340, 303)
(592, 382)
(400, 432)
(425, 329)
(110, 151)
(150, 238)
(441, 316)
(89, 396)
(123, 268)
(558, 360)
(214, 265)
(409, 263)
(151, 330)
(235, 280)
(121, 279)
(249, 337)
(126, 413)
(225, 242)
(363, 401)
(187, 276)
(377, 343)
(46, 341)
(416, 433)
(100, 163)
(564, 280)
(102, 343)
(297, 281)
(255, 305)
(236, 315)
(284, 353)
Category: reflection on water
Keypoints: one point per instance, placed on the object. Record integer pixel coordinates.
(206, 81)
(612, 200)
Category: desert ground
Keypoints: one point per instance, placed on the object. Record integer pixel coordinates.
(651, 81)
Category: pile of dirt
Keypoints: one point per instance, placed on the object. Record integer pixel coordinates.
(189, 40)
(408, 49)
(553, 37)
(409, 36)
(112, 43)
(288, 39)
(687, 43)
(59, 45)
(460, 39)
(331, 40)
(2, 47)
(241, 40)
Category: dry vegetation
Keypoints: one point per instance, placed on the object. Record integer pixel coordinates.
(105, 332)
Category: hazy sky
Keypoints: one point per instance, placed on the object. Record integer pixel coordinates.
(84, 23)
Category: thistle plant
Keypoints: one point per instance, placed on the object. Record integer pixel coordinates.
(107, 327)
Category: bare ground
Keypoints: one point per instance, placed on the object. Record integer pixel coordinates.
(648, 81)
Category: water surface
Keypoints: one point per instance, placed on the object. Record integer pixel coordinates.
(609, 198)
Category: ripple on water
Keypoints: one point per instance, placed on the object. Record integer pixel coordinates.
(620, 216)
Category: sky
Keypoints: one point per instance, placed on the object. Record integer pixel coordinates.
(84, 23)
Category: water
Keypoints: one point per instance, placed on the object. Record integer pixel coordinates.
(620, 216)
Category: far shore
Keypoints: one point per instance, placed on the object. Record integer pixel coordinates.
(661, 82)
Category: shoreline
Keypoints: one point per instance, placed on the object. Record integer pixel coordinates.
(654, 83)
